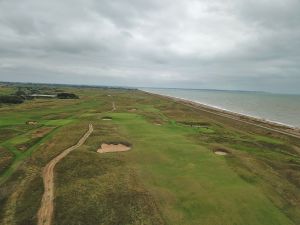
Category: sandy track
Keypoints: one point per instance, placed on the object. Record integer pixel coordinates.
(114, 108)
(46, 210)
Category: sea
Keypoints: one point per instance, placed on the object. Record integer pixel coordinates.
(279, 108)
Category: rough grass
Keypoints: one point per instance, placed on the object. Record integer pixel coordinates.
(29, 202)
(5, 159)
(22, 192)
(105, 190)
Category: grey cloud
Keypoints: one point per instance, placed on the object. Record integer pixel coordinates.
(275, 14)
(236, 44)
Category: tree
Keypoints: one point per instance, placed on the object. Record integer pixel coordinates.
(65, 95)
(11, 99)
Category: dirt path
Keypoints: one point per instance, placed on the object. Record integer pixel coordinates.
(114, 106)
(46, 210)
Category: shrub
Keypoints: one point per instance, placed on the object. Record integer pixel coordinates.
(65, 95)
(11, 99)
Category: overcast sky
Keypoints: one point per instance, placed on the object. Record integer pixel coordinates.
(220, 44)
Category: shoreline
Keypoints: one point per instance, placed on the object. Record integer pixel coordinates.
(277, 123)
(218, 108)
(256, 121)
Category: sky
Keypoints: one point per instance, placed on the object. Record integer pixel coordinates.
(220, 44)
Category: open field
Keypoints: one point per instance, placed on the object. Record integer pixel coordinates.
(171, 174)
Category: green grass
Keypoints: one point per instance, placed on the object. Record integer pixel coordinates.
(170, 176)
(60, 122)
(268, 139)
(200, 183)
(20, 157)
(7, 90)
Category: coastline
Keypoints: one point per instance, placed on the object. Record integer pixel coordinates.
(279, 127)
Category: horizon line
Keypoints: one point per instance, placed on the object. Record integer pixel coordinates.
(138, 87)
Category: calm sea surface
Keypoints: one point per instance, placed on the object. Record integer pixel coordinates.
(273, 107)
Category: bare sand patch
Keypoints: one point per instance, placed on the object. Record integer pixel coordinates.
(297, 149)
(22, 148)
(221, 151)
(132, 110)
(31, 122)
(113, 148)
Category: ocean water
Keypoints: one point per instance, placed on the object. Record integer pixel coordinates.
(280, 108)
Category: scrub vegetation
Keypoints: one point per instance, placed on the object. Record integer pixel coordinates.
(171, 175)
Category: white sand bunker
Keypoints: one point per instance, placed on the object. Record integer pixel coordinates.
(31, 122)
(113, 148)
(220, 153)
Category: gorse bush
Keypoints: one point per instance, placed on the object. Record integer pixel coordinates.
(11, 99)
(65, 95)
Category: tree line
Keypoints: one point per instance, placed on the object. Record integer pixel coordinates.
(20, 96)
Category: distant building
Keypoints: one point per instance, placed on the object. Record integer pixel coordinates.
(42, 96)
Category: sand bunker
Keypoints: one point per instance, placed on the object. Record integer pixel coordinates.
(113, 148)
(221, 151)
(132, 110)
(31, 122)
